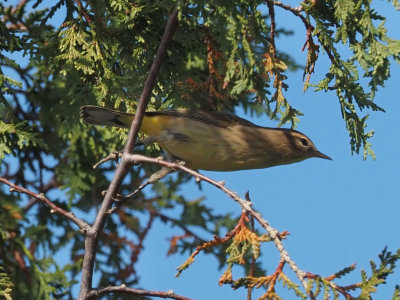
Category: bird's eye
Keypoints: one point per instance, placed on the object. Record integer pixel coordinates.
(304, 142)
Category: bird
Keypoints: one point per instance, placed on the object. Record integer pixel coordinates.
(213, 141)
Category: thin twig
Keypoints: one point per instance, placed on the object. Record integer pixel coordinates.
(51, 184)
(138, 292)
(297, 11)
(150, 81)
(253, 259)
(155, 177)
(112, 156)
(246, 205)
(84, 11)
(124, 166)
(83, 226)
(275, 275)
(216, 241)
(271, 10)
(342, 289)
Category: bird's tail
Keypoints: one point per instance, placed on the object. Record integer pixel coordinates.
(97, 115)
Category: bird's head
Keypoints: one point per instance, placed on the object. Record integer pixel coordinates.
(303, 147)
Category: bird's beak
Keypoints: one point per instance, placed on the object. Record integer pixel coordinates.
(321, 155)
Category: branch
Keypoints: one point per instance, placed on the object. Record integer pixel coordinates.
(141, 293)
(52, 183)
(216, 241)
(297, 12)
(271, 10)
(170, 29)
(84, 11)
(253, 259)
(274, 277)
(124, 166)
(83, 226)
(155, 177)
(294, 10)
(246, 205)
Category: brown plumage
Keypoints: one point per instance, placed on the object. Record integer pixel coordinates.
(213, 140)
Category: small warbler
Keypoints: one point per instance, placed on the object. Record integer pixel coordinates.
(213, 141)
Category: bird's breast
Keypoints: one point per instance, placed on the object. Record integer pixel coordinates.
(208, 147)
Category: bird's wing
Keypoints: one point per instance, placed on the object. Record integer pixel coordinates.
(103, 116)
(213, 118)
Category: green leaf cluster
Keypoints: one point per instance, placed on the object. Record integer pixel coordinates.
(6, 285)
(55, 59)
(24, 272)
(387, 264)
(355, 38)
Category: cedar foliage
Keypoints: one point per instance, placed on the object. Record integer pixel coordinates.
(223, 56)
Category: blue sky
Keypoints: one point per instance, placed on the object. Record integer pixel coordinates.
(338, 212)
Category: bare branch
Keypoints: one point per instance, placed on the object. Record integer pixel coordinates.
(297, 11)
(170, 29)
(253, 259)
(246, 205)
(112, 156)
(138, 292)
(294, 10)
(155, 177)
(124, 166)
(271, 10)
(83, 11)
(52, 183)
(83, 226)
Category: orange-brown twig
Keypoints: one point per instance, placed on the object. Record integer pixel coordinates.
(216, 241)
(246, 205)
(274, 277)
(329, 280)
